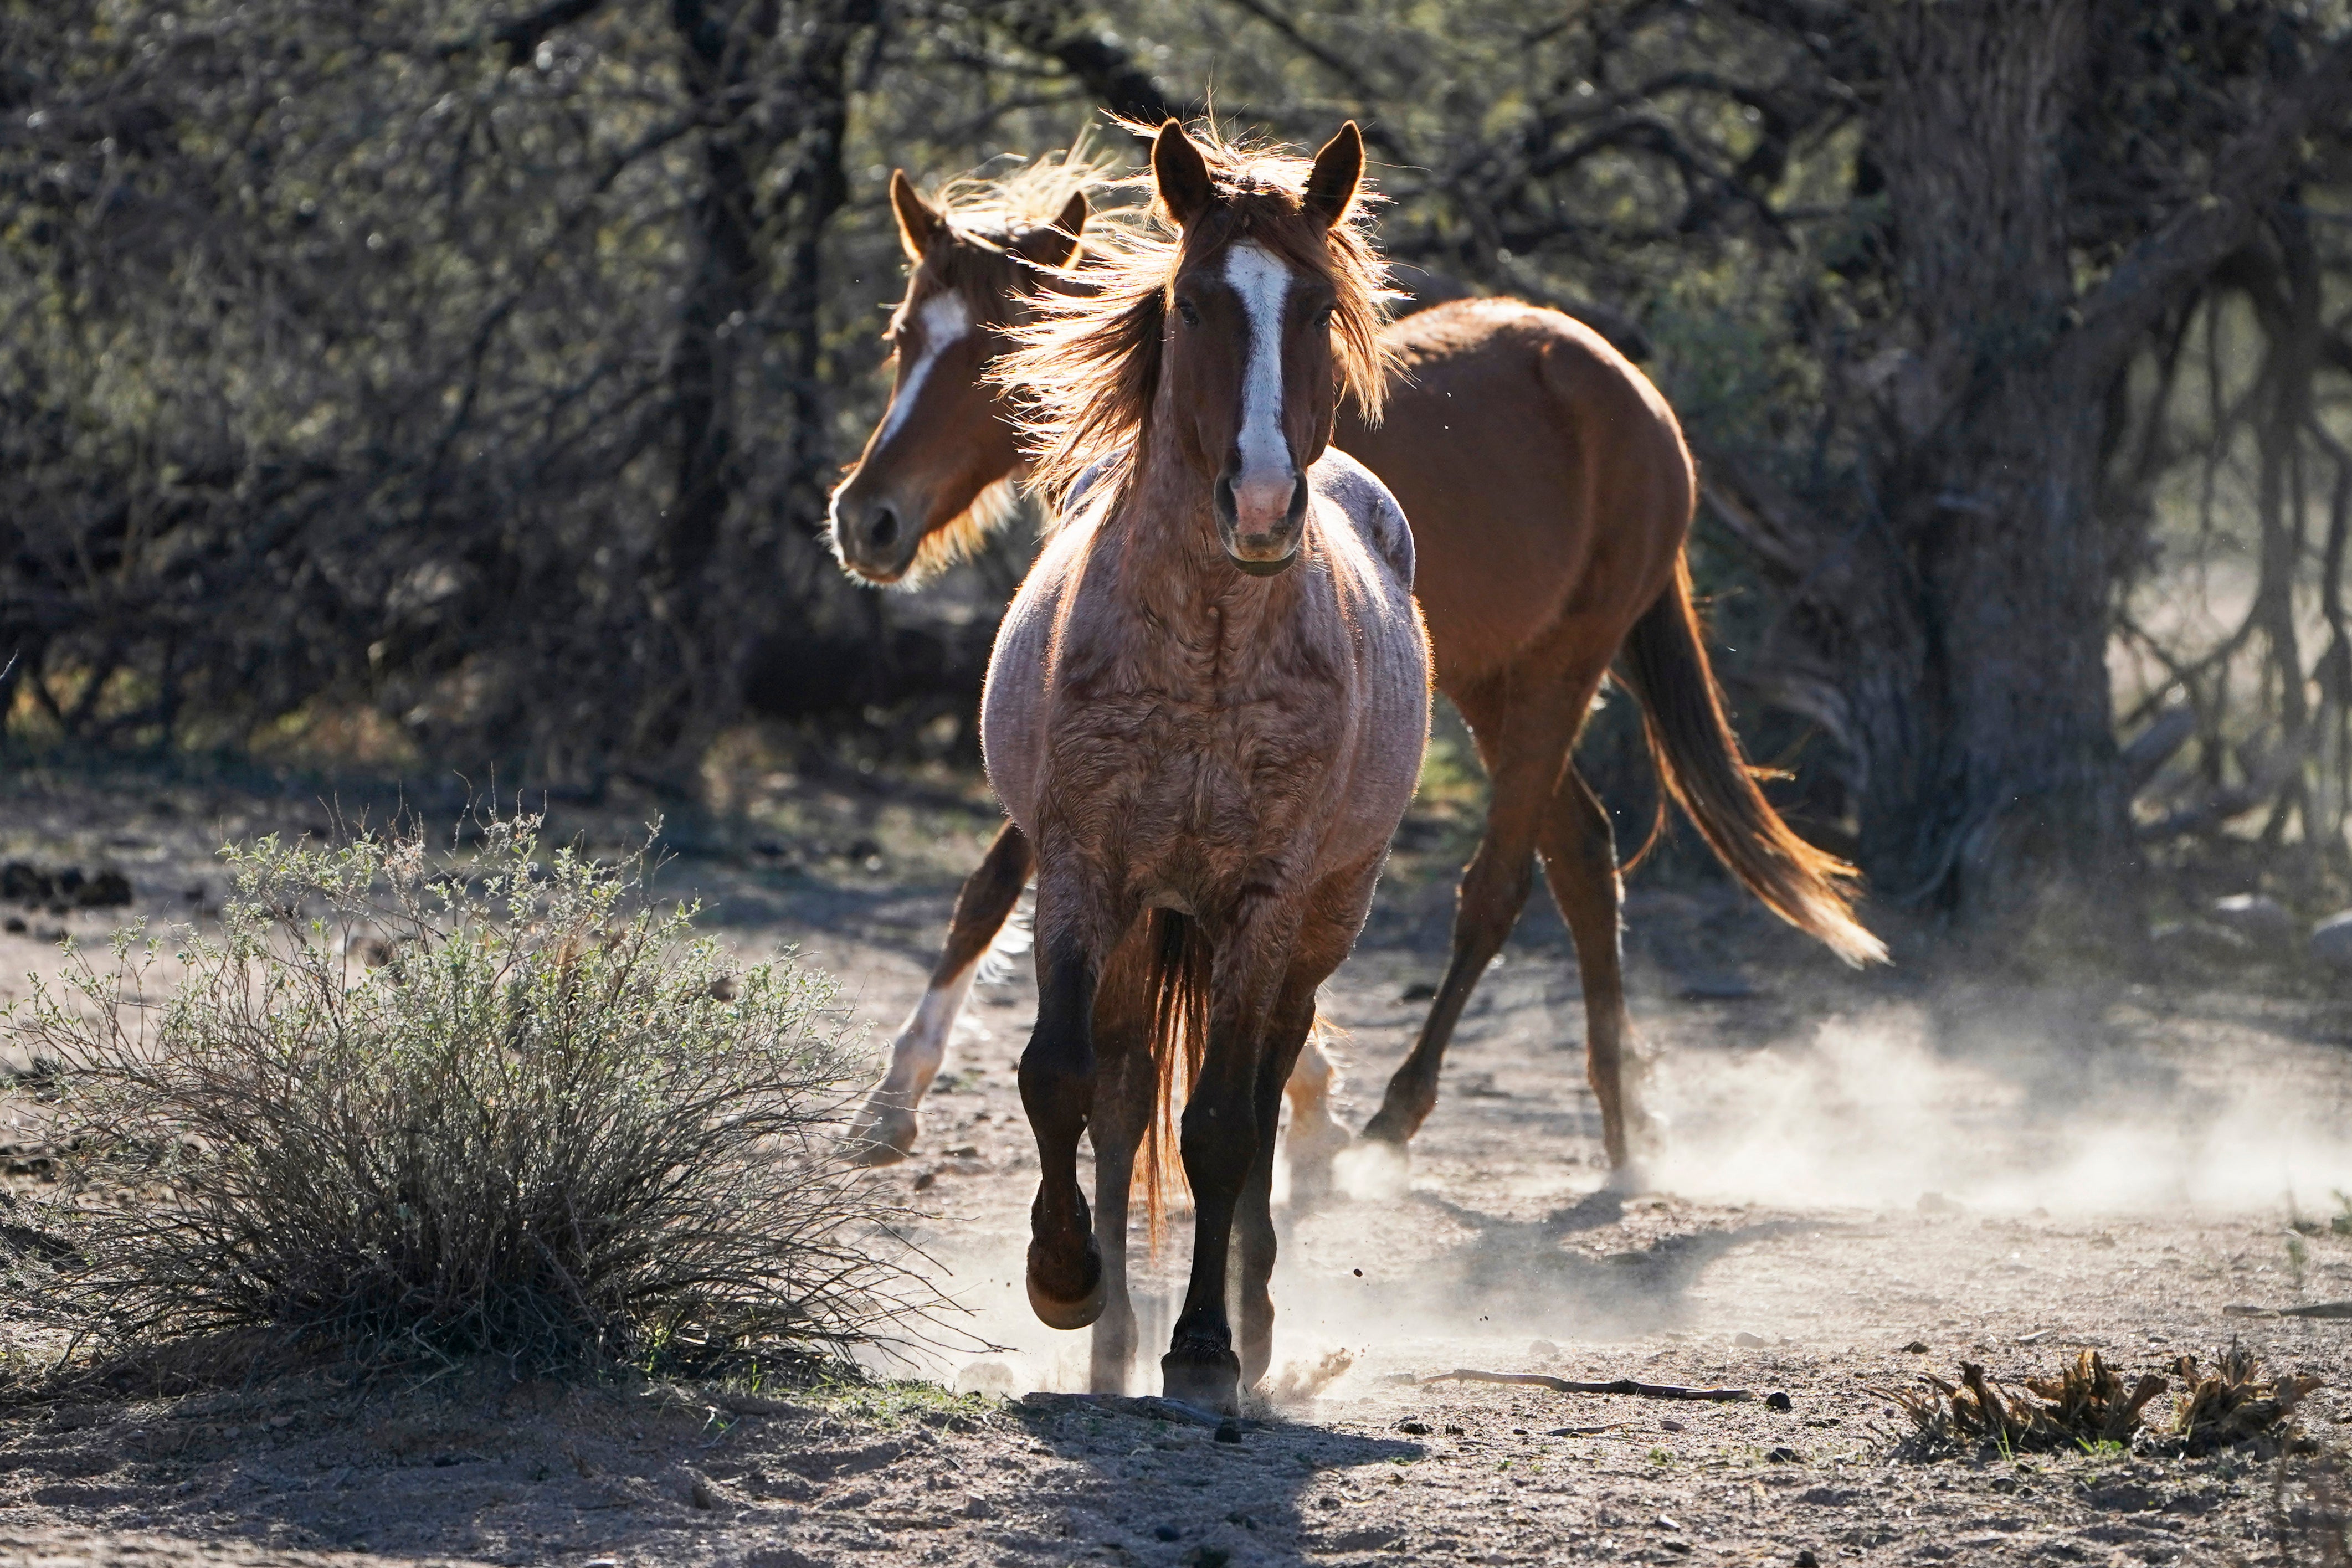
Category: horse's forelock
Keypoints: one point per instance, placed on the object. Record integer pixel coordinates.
(1088, 367)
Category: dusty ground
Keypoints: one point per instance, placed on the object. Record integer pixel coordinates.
(1855, 1166)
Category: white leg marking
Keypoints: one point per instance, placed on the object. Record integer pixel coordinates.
(945, 320)
(1263, 283)
(922, 1043)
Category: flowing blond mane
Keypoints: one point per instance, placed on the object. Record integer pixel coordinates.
(1000, 208)
(1088, 365)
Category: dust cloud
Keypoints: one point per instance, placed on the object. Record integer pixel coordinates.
(2000, 1113)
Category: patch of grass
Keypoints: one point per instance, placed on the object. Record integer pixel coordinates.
(501, 1104)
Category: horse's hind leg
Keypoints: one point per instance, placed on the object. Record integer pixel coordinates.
(1288, 1038)
(1126, 1094)
(1579, 859)
(1523, 736)
(883, 1132)
(1316, 1134)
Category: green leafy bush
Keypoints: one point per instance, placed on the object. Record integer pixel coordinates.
(480, 1105)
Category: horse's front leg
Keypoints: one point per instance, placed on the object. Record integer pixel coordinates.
(1226, 1127)
(1057, 1086)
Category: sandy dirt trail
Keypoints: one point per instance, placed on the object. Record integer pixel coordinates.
(1856, 1166)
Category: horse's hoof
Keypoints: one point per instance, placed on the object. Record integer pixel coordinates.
(1388, 1126)
(1316, 1146)
(1204, 1376)
(1059, 1312)
(882, 1135)
(1628, 1177)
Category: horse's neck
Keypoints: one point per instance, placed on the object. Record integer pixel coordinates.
(1174, 570)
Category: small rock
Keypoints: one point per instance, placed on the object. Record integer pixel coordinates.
(1413, 1428)
(1784, 1457)
(15, 924)
(1917, 1347)
(1542, 1350)
(1776, 1400)
(1166, 1533)
(1746, 1340)
(1229, 1431)
(1937, 1203)
(2331, 943)
(1670, 1425)
(2263, 921)
(1205, 1556)
(1805, 1559)
(1419, 991)
(979, 1507)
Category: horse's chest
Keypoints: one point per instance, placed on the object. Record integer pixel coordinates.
(1156, 763)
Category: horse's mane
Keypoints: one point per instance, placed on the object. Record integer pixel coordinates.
(1003, 207)
(1088, 365)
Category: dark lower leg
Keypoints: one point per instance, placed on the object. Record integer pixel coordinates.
(1580, 857)
(1220, 1146)
(1255, 1241)
(1057, 1074)
(1494, 890)
(1126, 1096)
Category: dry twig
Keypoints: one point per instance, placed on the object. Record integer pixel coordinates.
(1617, 1385)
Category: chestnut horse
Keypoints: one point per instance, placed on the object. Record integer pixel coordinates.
(1205, 709)
(1550, 493)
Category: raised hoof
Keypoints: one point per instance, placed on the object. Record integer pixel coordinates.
(882, 1135)
(1057, 1313)
(1206, 1376)
(1388, 1126)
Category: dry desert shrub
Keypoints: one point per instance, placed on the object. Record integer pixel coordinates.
(2088, 1404)
(491, 1104)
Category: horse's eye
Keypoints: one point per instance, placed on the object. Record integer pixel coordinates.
(1192, 316)
(1323, 317)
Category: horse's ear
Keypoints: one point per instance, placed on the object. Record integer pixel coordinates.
(916, 222)
(1338, 168)
(1056, 243)
(1181, 175)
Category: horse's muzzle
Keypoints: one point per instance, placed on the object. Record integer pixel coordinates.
(872, 539)
(1260, 523)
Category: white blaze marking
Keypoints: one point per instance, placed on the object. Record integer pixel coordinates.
(1263, 283)
(945, 320)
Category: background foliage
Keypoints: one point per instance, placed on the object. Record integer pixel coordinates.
(464, 381)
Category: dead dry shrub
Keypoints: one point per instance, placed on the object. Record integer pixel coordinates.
(2088, 1404)
(480, 1105)
(2232, 1401)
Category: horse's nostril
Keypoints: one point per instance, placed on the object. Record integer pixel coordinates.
(883, 531)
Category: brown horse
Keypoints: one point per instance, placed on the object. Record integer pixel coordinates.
(1550, 493)
(1205, 708)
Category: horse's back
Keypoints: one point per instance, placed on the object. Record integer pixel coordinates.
(1370, 556)
(1545, 476)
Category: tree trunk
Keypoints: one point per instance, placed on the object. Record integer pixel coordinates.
(1990, 768)
(1954, 635)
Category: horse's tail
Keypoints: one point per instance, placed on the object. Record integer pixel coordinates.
(1699, 764)
(1179, 988)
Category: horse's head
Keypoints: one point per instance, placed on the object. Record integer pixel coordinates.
(935, 474)
(1249, 376)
